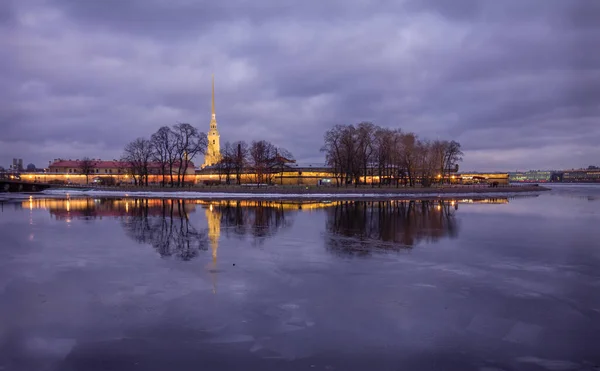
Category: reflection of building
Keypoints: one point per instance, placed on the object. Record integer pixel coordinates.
(98, 208)
(213, 150)
(213, 219)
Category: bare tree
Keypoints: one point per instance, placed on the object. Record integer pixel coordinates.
(228, 161)
(189, 143)
(240, 159)
(163, 152)
(383, 154)
(262, 154)
(137, 155)
(87, 165)
(453, 155)
(283, 158)
(365, 133)
(333, 151)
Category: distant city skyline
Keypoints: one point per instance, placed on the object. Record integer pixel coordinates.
(516, 83)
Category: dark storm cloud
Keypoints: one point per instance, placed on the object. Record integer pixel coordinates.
(517, 83)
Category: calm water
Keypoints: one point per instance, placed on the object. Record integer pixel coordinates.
(149, 284)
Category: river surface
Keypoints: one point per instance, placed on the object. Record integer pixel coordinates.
(157, 284)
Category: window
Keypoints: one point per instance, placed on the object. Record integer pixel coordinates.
(214, 141)
(69, 171)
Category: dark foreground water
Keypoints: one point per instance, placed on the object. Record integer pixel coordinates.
(125, 284)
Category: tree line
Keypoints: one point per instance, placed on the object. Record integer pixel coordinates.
(169, 152)
(356, 152)
(260, 158)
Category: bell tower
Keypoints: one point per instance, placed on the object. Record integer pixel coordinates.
(213, 150)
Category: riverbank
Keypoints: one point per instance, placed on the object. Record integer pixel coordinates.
(298, 192)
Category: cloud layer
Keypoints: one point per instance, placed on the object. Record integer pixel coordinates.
(517, 83)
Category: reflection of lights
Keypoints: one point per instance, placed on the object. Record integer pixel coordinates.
(126, 206)
(211, 207)
(68, 205)
(439, 207)
(452, 202)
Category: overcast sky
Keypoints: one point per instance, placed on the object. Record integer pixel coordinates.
(516, 82)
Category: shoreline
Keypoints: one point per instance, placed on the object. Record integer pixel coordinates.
(299, 193)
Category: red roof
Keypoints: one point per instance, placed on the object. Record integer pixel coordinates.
(99, 164)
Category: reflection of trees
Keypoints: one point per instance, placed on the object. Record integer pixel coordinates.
(260, 219)
(169, 231)
(358, 227)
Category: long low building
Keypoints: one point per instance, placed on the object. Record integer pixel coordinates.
(589, 175)
(97, 170)
(580, 176)
(118, 172)
(478, 178)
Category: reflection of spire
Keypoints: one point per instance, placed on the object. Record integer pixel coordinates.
(213, 219)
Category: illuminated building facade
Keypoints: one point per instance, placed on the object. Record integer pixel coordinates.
(71, 171)
(533, 176)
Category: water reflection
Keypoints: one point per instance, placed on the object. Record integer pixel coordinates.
(359, 227)
(259, 219)
(351, 227)
(166, 227)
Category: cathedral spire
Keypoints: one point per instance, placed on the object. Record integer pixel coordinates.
(213, 149)
(213, 98)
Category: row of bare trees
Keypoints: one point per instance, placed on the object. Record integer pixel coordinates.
(169, 152)
(260, 158)
(356, 152)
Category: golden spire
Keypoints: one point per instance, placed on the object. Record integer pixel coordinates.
(213, 97)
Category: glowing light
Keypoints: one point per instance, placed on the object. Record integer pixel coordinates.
(210, 207)
(68, 205)
(126, 206)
